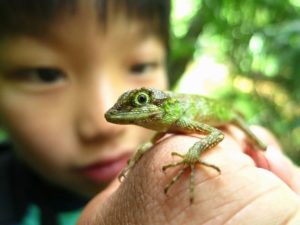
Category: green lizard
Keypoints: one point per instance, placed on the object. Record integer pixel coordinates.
(169, 112)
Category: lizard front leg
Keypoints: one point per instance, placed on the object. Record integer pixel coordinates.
(192, 157)
(139, 153)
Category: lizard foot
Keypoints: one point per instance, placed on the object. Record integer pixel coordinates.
(187, 165)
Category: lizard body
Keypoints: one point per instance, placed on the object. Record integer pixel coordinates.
(169, 112)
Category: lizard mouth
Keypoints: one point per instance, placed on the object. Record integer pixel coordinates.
(114, 116)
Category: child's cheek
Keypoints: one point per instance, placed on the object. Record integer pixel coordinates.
(38, 136)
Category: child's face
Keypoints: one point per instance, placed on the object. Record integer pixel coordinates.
(55, 90)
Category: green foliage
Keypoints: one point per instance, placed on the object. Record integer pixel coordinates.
(3, 136)
(259, 41)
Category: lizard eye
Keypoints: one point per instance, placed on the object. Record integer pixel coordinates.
(141, 99)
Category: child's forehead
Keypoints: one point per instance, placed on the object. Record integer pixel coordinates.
(84, 30)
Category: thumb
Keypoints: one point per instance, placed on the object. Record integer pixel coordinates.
(276, 162)
(92, 208)
(280, 165)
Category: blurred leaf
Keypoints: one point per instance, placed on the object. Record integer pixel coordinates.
(259, 42)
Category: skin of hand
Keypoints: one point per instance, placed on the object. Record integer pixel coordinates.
(254, 187)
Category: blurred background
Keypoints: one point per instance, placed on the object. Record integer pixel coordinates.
(245, 52)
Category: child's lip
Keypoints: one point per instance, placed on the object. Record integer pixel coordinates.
(105, 170)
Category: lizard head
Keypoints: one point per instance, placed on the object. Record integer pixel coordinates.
(139, 106)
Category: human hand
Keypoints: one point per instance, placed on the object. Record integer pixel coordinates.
(242, 194)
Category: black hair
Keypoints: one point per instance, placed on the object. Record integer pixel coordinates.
(33, 16)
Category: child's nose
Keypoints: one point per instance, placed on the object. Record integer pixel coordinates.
(91, 121)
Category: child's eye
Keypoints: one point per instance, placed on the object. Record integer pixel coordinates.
(39, 75)
(142, 68)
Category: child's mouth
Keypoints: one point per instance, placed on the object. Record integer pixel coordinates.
(106, 170)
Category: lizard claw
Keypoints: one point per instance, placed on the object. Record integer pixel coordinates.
(177, 154)
(121, 177)
(123, 174)
(165, 167)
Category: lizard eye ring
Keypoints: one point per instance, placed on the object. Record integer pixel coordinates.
(141, 98)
